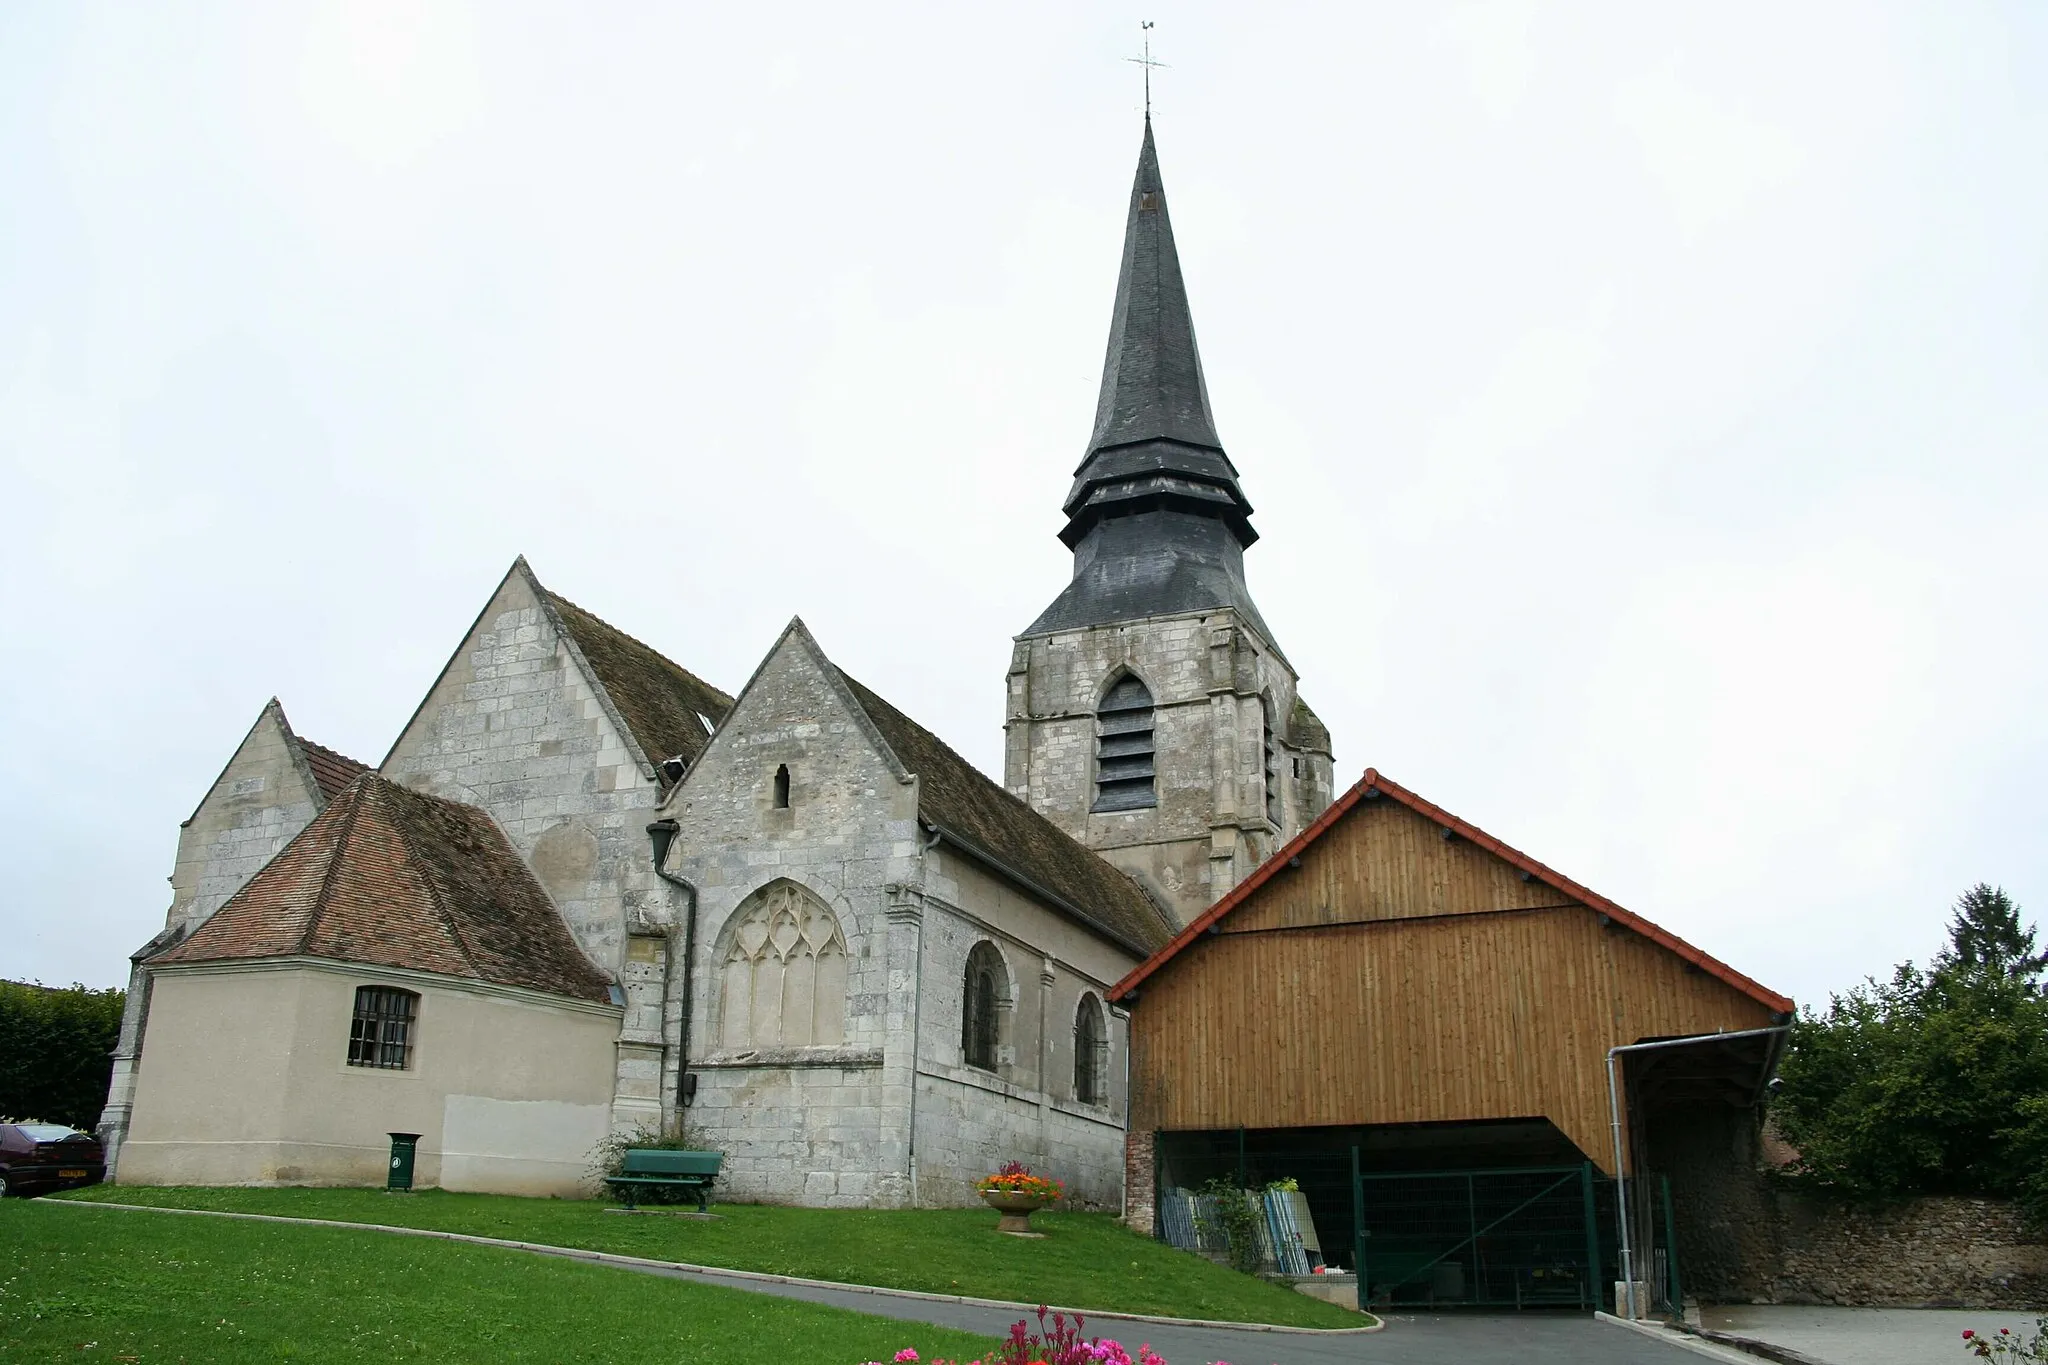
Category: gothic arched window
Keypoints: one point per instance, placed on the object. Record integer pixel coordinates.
(1091, 1052)
(785, 973)
(1273, 807)
(983, 993)
(1123, 747)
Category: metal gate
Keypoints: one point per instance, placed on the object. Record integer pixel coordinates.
(1505, 1238)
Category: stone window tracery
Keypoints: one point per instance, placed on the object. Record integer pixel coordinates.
(784, 976)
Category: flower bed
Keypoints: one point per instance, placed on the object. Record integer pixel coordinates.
(1058, 1342)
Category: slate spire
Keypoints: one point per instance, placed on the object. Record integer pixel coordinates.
(1155, 441)
(1155, 519)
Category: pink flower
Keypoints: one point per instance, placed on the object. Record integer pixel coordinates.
(906, 1356)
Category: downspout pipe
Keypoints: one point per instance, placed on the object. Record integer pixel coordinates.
(662, 833)
(1628, 1275)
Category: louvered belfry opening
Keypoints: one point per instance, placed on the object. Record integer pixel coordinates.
(1123, 752)
(380, 1034)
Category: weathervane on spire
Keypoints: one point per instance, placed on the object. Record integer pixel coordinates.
(1145, 26)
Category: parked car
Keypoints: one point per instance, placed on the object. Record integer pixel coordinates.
(36, 1158)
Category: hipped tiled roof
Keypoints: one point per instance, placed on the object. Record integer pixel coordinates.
(332, 771)
(659, 699)
(390, 877)
(962, 802)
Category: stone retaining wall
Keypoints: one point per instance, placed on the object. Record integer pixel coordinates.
(1933, 1252)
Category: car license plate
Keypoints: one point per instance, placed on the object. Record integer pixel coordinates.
(71, 1175)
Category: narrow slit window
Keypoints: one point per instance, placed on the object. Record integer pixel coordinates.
(380, 1034)
(1123, 748)
(782, 787)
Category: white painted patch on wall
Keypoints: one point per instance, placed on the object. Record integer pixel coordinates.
(518, 1146)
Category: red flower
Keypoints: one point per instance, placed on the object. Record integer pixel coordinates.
(1967, 1334)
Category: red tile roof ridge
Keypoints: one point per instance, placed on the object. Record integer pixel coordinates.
(1374, 783)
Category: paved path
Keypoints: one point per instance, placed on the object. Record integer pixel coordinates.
(1865, 1336)
(1419, 1339)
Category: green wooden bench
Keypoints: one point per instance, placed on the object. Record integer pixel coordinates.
(648, 1167)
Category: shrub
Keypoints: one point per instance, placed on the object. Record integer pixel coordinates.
(2003, 1345)
(1239, 1215)
(608, 1157)
(56, 1051)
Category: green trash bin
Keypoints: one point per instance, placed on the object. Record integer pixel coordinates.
(403, 1147)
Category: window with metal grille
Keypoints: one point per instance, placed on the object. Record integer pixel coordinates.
(983, 994)
(1273, 809)
(1123, 747)
(381, 1033)
(1091, 1051)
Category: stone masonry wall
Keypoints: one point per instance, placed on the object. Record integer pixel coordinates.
(1935, 1252)
(818, 1125)
(1141, 1182)
(514, 726)
(1209, 676)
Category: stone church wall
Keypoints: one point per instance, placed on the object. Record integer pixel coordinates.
(1209, 676)
(512, 725)
(818, 1125)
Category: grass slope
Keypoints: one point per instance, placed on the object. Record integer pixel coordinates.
(1084, 1261)
(134, 1287)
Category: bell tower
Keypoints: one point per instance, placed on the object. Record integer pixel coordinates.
(1150, 712)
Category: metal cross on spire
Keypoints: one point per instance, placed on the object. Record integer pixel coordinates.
(1145, 26)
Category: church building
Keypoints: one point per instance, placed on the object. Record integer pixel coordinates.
(588, 892)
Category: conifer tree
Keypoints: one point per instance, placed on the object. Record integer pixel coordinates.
(1986, 936)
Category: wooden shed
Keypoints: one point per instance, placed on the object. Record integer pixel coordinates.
(1412, 1021)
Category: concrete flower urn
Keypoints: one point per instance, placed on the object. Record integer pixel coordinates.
(1016, 1210)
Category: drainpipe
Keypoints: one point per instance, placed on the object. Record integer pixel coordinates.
(1628, 1276)
(663, 834)
(917, 1014)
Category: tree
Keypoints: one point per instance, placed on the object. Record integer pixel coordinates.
(56, 1051)
(1986, 935)
(1933, 1082)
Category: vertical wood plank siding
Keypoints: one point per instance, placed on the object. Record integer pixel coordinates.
(1398, 978)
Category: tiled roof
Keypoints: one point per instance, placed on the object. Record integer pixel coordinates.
(659, 699)
(1372, 787)
(331, 770)
(961, 801)
(391, 877)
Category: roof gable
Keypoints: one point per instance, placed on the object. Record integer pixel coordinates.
(391, 877)
(1373, 786)
(324, 771)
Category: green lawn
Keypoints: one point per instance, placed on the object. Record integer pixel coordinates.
(87, 1285)
(1084, 1261)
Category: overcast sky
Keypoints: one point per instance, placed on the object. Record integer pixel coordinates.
(1643, 405)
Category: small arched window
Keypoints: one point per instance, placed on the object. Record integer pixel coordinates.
(983, 993)
(380, 1033)
(782, 787)
(1123, 747)
(1091, 1052)
(1273, 806)
(784, 979)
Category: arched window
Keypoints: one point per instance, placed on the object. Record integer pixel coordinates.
(380, 1033)
(784, 976)
(1273, 807)
(982, 996)
(782, 787)
(1123, 747)
(1091, 1052)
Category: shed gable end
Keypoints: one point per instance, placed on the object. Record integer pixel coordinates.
(1384, 861)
